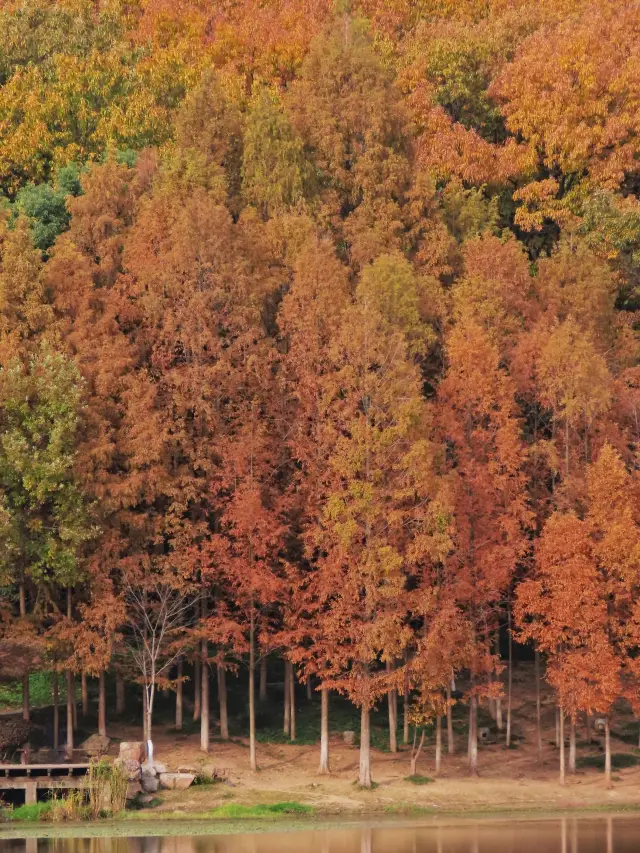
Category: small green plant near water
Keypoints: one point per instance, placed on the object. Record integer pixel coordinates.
(418, 779)
(70, 805)
(28, 814)
(107, 785)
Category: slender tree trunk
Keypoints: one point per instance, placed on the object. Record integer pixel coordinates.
(149, 721)
(71, 690)
(450, 743)
(263, 679)
(415, 753)
(538, 708)
(287, 700)
(146, 734)
(309, 689)
(26, 714)
(405, 710)
(252, 694)
(607, 753)
(473, 735)
(324, 732)
(393, 721)
(292, 702)
(561, 735)
(84, 689)
(179, 695)
(572, 746)
(197, 684)
(74, 705)
(205, 704)
(102, 705)
(222, 703)
(56, 710)
(120, 693)
(557, 728)
(364, 778)
(70, 702)
(438, 743)
(509, 677)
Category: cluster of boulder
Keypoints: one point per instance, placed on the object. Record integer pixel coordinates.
(148, 777)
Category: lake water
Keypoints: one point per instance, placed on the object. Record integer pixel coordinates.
(552, 835)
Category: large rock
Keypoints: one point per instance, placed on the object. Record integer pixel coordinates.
(177, 781)
(96, 745)
(130, 767)
(149, 769)
(133, 750)
(150, 784)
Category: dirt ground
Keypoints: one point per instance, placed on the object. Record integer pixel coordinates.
(509, 779)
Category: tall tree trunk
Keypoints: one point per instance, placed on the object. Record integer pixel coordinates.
(499, 720)
(84, 689)
(438, 743)
(607, 752)
(572, 746)
(292, 702)
(70, 702)
(74, 705)
(263, 679)
(102, 705)
(252, 694)
(179, 695)
(205, 705)
(309, 688)
(146, 734)
(473, 735)
(557, 727)
(450, 743)
(287, 700)
(415, 753)
(364, 777)
(405, 708)
(197, 684)
(56, 709)
(26, 713)
(393, 721)
(561, 736)
(509, 677)
(538, 708)
(222, 703)
(71, 689)
(120, 693)
(324, 731)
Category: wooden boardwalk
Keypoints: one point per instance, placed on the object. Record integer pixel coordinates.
(33, 777)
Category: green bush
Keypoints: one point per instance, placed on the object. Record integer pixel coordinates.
(619, 760)
(418, 779)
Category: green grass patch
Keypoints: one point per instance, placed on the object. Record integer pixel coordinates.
(28, 814)
(236, 811)
(419, 779)
(619, 760)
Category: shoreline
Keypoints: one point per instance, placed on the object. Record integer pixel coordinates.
(175, 824)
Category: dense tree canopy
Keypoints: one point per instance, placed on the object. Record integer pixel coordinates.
(321, 317)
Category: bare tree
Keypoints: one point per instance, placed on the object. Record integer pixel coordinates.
(158, 616)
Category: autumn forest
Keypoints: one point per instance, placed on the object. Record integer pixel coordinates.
(318, 343)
